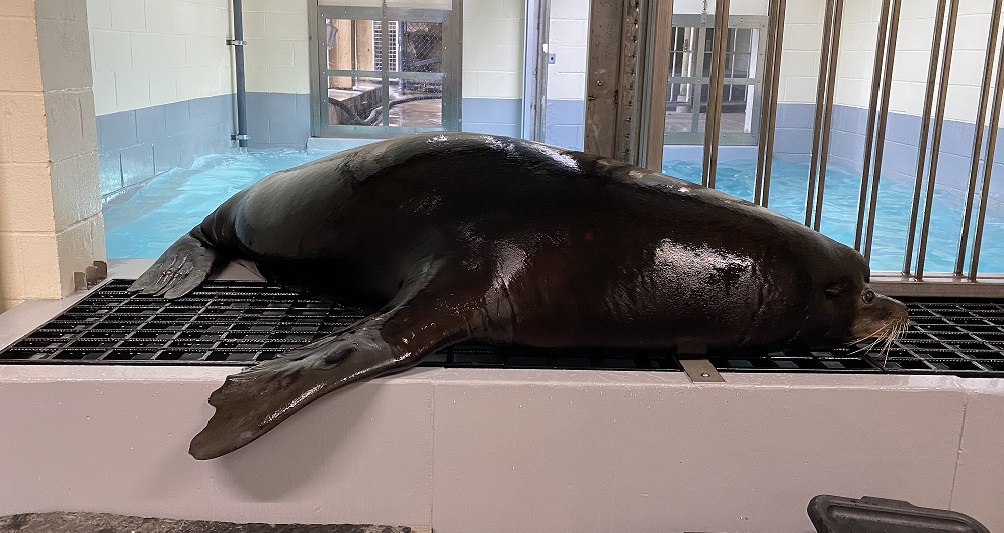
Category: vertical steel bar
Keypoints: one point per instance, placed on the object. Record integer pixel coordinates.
(765, 98)
(890, 57)
(722, 21)
(939, 120)
(995, 114)
(659, 83)
(817, 124)
(242, 118)
(772, 119)
(932, 70)
(831, 81)
(880, 57)
(981, 115)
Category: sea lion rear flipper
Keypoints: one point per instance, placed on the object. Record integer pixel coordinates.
(253, 402)
(182, 268)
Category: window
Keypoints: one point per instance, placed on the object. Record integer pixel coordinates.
(382, 71)
(690, 64)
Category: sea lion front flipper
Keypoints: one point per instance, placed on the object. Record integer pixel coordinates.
(253, 402)
(182, 268)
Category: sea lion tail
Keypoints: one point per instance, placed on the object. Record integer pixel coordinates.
(182, 268)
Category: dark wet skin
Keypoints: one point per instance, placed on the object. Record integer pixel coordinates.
(464, 236)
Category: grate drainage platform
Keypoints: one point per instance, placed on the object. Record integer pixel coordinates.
(244, 322)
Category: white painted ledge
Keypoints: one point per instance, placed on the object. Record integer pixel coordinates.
(502, 450)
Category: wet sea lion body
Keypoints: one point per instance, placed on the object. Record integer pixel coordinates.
(463, 236)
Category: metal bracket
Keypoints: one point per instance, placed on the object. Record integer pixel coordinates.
(235, 42)
(236, 137)
(701, 371)
(91, 276)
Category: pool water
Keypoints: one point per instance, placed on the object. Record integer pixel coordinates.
(167, 207)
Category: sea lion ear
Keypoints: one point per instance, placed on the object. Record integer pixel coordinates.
(838, 288)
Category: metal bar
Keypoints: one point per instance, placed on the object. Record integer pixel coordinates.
(628, 88)
(925, 123)
(883, 118)
(824, 148)
(772, 119)
(385, 60)
(659, 83)
(981, 115)
(712, 125)
(880, 57)
(939, 120)
(537, 29)
(995, 113)
(319, 84)
(602, 81)
(817, 122)
(242, 119)
(766, 96)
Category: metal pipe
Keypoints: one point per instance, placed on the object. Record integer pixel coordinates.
(817, 123)
(772, 119)
(824, 148)
(712, 122)
(883, 119)
(932, 69)
(535, 69)
(880, 55)
(981, 115)
(661, 26)
(995, 114)
(238, 43)
(766, 96)
(939, 120)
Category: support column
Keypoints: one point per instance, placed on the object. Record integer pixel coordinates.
(50, 202)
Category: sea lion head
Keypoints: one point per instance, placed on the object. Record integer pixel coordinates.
(846, 309)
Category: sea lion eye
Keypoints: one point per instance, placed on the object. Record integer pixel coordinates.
(868, 296)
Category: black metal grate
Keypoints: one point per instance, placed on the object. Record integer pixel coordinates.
(239, 323)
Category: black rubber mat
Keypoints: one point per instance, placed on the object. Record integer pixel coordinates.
(239, 323)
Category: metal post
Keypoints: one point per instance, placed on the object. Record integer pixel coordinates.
(883, 118)
(657, 75)
(766, 97)
(939, 120)
(925, 123)
(880, 56)
(995, 113)
(602, 80)
(831, 80)
(537, 28)
(712, 123)
(238, 44)
(817, 123)
(981, 115)
(778, 38)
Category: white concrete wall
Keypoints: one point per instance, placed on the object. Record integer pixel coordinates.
(50, 219)
(569, 32)
(803, 28)
(277, 57)
(493, 48)
(152, 52)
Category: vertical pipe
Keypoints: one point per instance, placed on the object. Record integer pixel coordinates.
(932, 69)
(880, 56)
(766, 96)
(661, 26)
(817, 123)
(716, 89)
(995, 114)
(939, 120)
(981, 115)
(831, 80)
(772, 119)
(890, 57)
(242, 121)
(536, 34)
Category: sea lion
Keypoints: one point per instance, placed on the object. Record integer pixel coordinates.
(456, 236)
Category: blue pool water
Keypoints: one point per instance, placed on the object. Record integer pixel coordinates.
(172, 203)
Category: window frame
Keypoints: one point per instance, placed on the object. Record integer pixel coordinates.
(319, 72)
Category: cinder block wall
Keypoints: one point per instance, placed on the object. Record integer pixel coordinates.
(50, 218)
(162, 85)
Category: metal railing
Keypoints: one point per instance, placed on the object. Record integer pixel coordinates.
(912, 280)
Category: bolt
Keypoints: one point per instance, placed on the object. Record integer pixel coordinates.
(705, 375)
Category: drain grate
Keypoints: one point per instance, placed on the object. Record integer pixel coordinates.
(240, 322)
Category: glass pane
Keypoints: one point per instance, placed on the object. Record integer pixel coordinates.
(680, 107)
(350, 45)
(416, 103)
(420, 46)
(355, 101)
